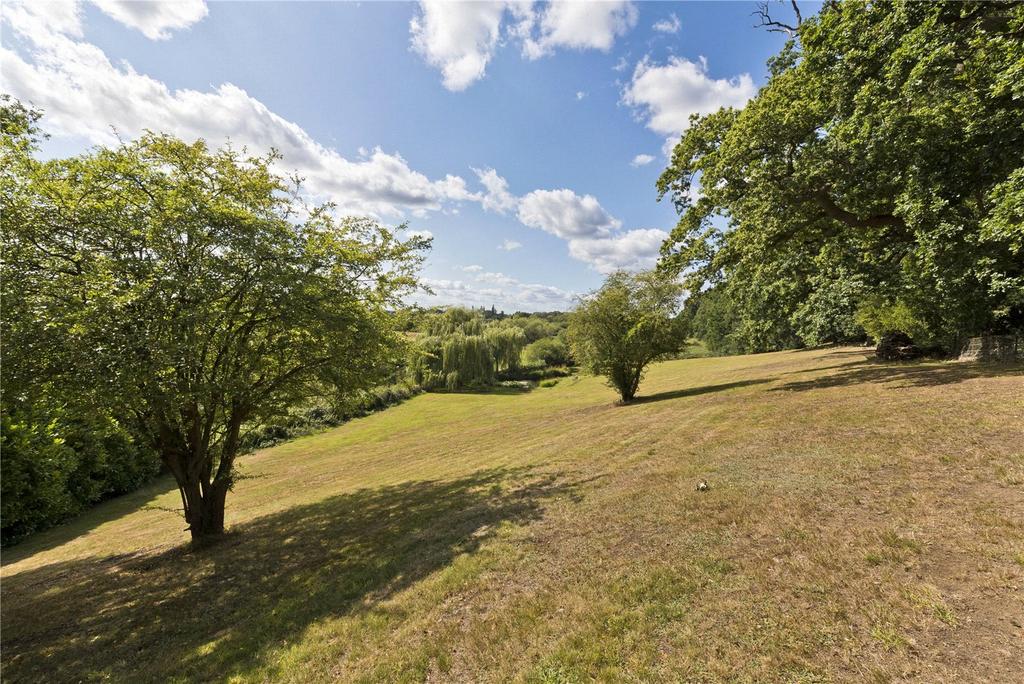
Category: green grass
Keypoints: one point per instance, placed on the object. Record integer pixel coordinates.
(863, 522)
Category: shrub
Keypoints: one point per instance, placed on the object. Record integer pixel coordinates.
(881, 317)
(548, 351)
(56, 463)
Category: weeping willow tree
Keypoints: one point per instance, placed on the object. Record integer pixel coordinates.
(455, 320)
(424, 363)
(506, 343)
(467, 361)
(460, 350)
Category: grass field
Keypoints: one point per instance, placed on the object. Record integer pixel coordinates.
(864, 522)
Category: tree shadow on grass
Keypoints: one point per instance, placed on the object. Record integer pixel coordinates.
(207, 614)
(695, 391)
(906, 374)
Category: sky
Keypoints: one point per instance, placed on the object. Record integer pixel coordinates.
(525, 138)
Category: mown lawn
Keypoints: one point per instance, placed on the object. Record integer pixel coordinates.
(863, 522)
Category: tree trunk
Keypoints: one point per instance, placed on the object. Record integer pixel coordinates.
(204, 510)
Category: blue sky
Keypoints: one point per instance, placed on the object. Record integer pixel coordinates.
(525, 137)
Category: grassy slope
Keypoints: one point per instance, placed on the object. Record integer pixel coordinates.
(864, 521)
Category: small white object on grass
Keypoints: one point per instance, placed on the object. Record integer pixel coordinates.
(702, 486)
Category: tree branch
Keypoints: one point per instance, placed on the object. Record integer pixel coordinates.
(777, 26)
(833, 210)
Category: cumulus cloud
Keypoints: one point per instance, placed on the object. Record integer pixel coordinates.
(666, 95)
(460, 38)
(632, 250)
(593, 235)
(496, 289)
(642, 160)
(580, 94)
(85, 95)
(155, 19)
(579, 26)
(497, 196)
(668, 25)
(423, 234)
(566, 214)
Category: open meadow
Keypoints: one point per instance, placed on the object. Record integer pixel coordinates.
(863, 522)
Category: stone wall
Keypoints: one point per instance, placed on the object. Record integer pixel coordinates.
(993, 348)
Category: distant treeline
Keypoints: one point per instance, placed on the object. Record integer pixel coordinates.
(459, 348)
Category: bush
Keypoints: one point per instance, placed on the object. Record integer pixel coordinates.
(310, 419)
(548, 351)
(36, 469)
(57, 463)
(880, 317)
(551, 382)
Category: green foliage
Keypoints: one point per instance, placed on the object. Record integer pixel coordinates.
(319, 416)
(467, 361)
(627, 324)
(189, 291)
(36, 469)
(715, 320)
(455, 320)
(506, 344)
(536, 328)
(460, 348)
(57, 462)
(880, 317)
(548, 351)
(882, 159)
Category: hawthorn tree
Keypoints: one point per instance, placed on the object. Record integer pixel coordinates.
(885, 150)
(627, 324)
(193, 291)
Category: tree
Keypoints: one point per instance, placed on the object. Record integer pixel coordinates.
(630, 322)
(193, 291)
(886, 150)
(548, 351)
(506, 343)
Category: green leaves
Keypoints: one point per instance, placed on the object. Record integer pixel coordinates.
(627, 324)
(882, 149)
(192, 291)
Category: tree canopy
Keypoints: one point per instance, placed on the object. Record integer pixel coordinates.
(880, 167)
(191, 289)
(627, 324)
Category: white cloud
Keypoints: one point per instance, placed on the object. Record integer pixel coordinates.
(460, 38)
(499, 290)
(632, 250)
(84, 95)
(621, 65)
(669, 25)
(155, 19)
(579, 26)
(497, 198)
(473, 268)
(566, 214)
(666, 95)
(642, 160)
(580, 94)
(425, 234)
(593, 235)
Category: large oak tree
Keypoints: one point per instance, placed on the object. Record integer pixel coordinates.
(886, 151)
